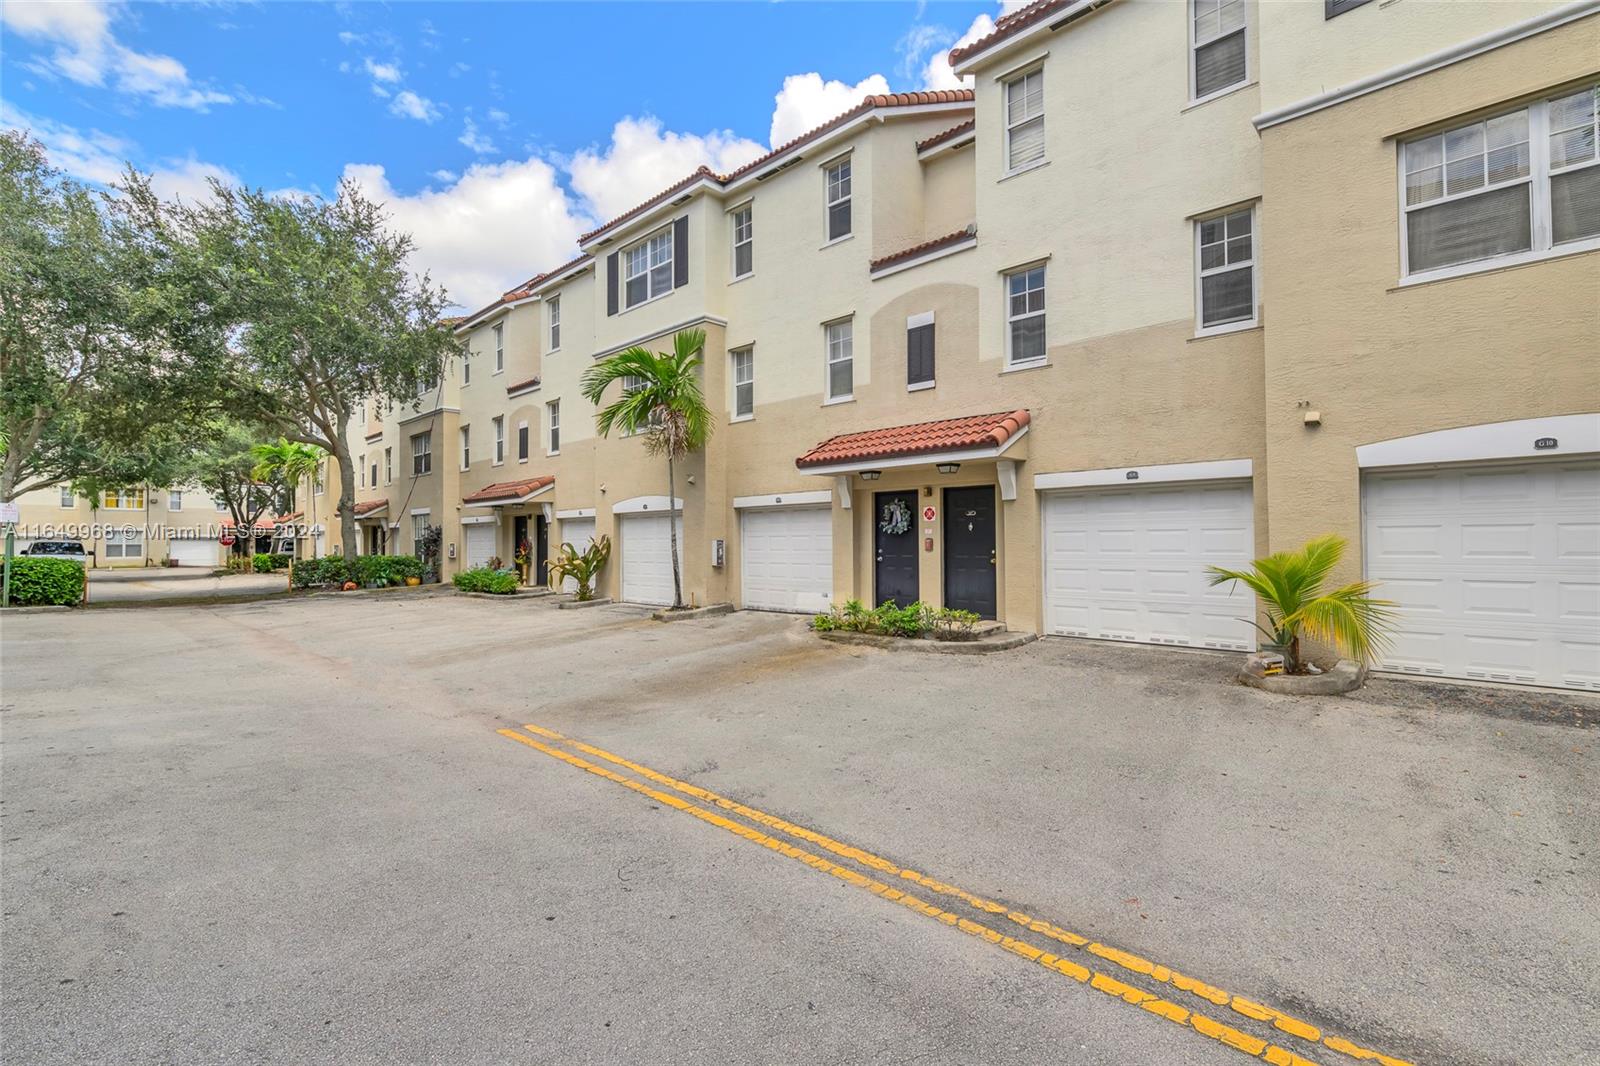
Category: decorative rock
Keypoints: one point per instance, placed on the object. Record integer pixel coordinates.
(1347, 676)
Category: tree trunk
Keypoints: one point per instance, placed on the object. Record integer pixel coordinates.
(672, 533)
(347, 491)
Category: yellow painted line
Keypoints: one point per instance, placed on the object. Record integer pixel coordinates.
(1224, 1034)
(1166, 975)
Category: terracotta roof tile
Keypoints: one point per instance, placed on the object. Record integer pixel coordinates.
(926, 246)
(921, 438)
(508, 490)
(369, 506)
(946, 135)
(520, 386)
(1018, 20)
(701, 172)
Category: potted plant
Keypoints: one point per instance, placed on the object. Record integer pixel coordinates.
(522, 556)
(1289, 587)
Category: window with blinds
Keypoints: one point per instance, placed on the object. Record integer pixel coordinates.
(1024, 120)
(841, 359)
(1227, 269)
(744, 243)
(1526, 181)
(1217, 29)
(838, 186)
(744, 382)
(1025, 316)
(648, 269)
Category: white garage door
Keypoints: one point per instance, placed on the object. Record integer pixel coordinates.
(1129, 564)
(479, 541)
(578, 532)
(647, 557)
(193, 551)
(1496, 570)
(787, 559)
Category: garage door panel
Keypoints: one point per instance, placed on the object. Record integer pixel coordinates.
(1130, 564)
(1513, 592)
(787, 559)
(479, 544)
(647, 557)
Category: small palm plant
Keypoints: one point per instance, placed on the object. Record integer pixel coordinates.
(1289, 585)
(662, 399)
(287, 463)
(581, 566)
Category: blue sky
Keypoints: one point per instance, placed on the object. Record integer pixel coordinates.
(495, 132)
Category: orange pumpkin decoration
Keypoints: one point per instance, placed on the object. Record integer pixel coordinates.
(349, 586)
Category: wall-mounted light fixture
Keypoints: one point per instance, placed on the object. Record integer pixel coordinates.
(948, 468)
(871, 475)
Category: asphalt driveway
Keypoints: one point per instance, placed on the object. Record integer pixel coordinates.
(294, 831)
(169, 585)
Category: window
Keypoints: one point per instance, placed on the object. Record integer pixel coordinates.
(648, 269)
(1218, 41)
(839, 200)
(499, 440)
(552, 414)
(555, 322)
(919, 351)
(174, 499)
(419, 531)
(421, 454)
(322, 480)
(361, 470)
(1025, 120)
(522, 442)
(126, 500)
(388, 466)
(841, 359)
(1331, 8)
(744, 382)
(125, 543)
(466, 447)
(744, 241)
(1025, 316)
(67, 499)
(1525, 181)
(499, 347)
(1226, 269)
(466, 368)
(374, 472)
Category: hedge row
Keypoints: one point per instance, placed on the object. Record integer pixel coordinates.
(46, 582)
(369, 571)
(264, 563)
(485, 579)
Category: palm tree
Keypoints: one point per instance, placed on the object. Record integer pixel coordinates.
(287, 462)
(662, 399)
(1290, 587)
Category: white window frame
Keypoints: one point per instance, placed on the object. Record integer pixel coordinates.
(499, 423)
(552, 421)
(123, 499)
(466, 368)
(465, 433)
(423, 517)
(665, 235)
(1541, 233)
(68, 498)
(174, 499)
(422, 453)
(831, 357)
(321, 485)
(1254, 263)
(1012, 362)
(521, 456)
(747, 212)
(499, 347)
(747, 352)
(554, 317)
(1195, 45)
(361, 472)
(122, 543)
(388, 466)
(829, 200)
(1036, 71)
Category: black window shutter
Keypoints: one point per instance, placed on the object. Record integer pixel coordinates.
(680, 252)
(1332, 8)
(611, 284)
(919, 354)
(522, 442)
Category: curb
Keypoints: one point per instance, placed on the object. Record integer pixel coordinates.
(519, 594)
(981, 646)
(578, 605)
(709, 611)
(37, 609)
(1347, 676)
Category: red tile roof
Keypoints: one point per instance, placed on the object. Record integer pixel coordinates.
(926, 246)
(508, 490)
(513, 389)
(922, 438)
(369, 506)
(946, 135)
(1013, 23)
(266, 522)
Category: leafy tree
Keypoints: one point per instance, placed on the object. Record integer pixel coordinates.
(663, 401)
(326, 314)
(224, 464)
(288, 463)
(104, 340)
(1290, 587)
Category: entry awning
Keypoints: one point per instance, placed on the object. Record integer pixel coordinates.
(968, 439)
(508, 493)
(372, 509)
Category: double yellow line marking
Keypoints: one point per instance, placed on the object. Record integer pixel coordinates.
(1200, 1023)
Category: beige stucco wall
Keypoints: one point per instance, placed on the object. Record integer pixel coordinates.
(1380, 360)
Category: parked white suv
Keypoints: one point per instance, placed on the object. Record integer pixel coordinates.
(57, 549)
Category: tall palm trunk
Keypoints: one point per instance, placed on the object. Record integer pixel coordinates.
(672, 533)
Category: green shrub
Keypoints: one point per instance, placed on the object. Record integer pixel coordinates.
(46, 582)
(486, 579)
(582, 567)
(854, 617)
(329, 570)
(264, 563)
(950, 623)
(900, 621)
(382, 571)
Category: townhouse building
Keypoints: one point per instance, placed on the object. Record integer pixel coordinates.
(1173, 284)
(144, 525)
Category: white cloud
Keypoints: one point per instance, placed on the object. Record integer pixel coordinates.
(806, 101)
(448, 177)
(389, 72)
(477, 142)
(87, 51)
(189, 179)
(499, 117)
(937, 73)
(101, 159)
(408, 104)
(642, 159)
(482, 234)
(920, 40)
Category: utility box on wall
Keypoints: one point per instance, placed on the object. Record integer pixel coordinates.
(719, 549)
